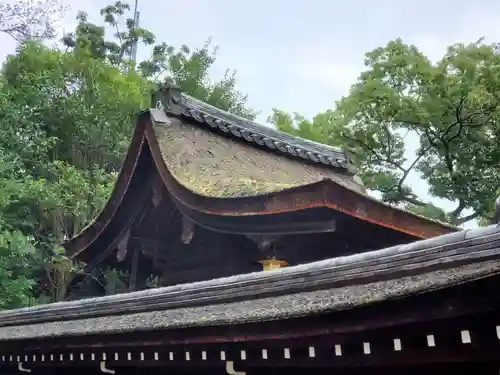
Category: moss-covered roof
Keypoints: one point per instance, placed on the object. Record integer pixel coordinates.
(212, 165)
(325, 286)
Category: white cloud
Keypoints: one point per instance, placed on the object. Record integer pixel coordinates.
(336, 75)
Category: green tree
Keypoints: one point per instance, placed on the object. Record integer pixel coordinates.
(16, 281)
(66, 124)
(189, 70)
(118, 50)
(186, 68)
(451, 107)
(16, 253)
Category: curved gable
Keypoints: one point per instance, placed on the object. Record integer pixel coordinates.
(215, 173)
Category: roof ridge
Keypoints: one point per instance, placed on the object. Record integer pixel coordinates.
(179, 104)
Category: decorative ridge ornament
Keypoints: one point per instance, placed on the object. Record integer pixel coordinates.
(175, 103)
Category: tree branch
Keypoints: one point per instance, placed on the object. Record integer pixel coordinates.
(412, 165)
(414, 201)
(457, 211)
(376, 154)
(465, 219)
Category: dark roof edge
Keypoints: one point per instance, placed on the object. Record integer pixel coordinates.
(443, 252)
(178, 104)
(260, 310)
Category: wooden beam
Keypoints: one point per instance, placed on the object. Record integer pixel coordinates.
(135, 269)
(188, 228)
(398, 348)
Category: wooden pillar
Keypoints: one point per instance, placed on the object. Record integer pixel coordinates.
(132, 285)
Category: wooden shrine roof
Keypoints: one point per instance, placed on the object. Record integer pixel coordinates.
(349, 282)
(216, 164)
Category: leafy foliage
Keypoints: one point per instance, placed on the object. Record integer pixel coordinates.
(69, 121)
(118, 51)
(451, 107)
(66, 121)
(16, 283)
(188, 69)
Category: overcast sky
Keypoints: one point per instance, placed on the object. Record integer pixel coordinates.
(303, 55)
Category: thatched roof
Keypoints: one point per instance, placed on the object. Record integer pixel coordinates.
(209, 164)
(218, 164)
(326, 286)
